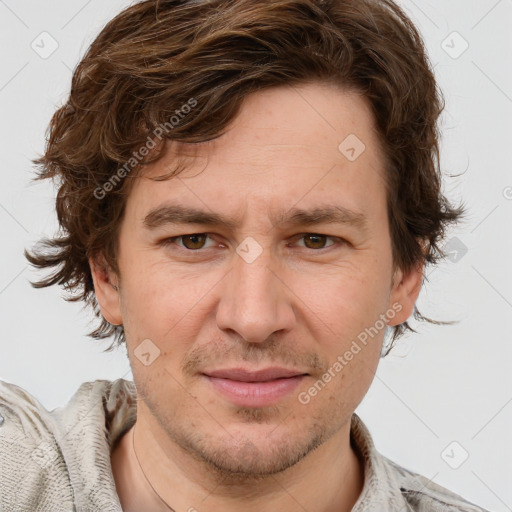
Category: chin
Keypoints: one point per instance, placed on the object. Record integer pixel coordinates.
(251, 453)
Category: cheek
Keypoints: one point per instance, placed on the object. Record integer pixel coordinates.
(151, 287)
(166, 305)
(345, 299)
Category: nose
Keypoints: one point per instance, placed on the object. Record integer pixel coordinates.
(256, 301)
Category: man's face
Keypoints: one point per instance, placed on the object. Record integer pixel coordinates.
(269, 291)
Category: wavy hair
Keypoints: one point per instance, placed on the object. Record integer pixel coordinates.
(152, 59)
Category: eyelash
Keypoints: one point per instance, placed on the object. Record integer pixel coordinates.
(172, 241)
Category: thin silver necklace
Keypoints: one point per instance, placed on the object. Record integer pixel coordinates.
(147, 479)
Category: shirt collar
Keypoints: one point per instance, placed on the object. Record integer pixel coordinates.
(381, 490)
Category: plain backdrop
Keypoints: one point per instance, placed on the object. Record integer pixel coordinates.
(441, 402)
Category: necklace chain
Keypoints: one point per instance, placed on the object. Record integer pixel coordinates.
(147, 479)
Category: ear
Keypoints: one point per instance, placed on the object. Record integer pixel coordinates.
(405, 291)
(106, 289)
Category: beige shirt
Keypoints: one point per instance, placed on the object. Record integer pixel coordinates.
(59, 461)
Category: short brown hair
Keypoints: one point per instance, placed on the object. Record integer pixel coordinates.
(158, 56)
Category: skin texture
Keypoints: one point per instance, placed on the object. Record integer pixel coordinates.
(300, 304)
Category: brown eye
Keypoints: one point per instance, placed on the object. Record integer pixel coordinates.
(194, 242)
(314, 241)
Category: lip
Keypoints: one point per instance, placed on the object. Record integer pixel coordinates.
(263, 375)
(258, 388)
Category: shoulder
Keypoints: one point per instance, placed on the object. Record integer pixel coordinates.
(423, 495)
(38, 464)
(31, 465)
(400, 489)
(24, 419)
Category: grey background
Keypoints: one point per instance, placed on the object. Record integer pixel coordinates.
(442, 385)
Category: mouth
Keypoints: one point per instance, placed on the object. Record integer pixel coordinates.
(259, 388)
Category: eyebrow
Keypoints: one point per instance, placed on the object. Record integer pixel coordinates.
(169, 214)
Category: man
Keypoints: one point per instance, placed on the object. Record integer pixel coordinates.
(248, 194)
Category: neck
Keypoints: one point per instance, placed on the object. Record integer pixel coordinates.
(146, 479)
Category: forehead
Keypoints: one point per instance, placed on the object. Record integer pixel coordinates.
(287, 144)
